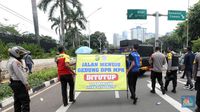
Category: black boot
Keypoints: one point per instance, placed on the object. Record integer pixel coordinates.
(135, 100)
(174, 91)
(166, 88)
(152, 91)
(163, 90)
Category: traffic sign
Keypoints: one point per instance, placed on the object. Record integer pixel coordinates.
(136, 14)
(176, 15)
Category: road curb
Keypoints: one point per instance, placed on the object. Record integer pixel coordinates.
(10, 100)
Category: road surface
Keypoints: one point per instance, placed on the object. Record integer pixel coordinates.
(49, 100)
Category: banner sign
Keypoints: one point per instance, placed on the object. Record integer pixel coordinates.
(100, 73)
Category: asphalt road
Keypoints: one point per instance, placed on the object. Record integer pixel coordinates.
(49, 100)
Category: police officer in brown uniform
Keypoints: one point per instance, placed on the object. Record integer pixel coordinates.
(18, 79)
(197, 79)
(157, 59)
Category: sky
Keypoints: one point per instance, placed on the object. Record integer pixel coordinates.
(110, 18)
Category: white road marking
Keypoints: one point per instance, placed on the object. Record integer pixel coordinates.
(64, 109)
(184, 82)
(117, 94)
(181, 82)
(170, 100)
(34, 95)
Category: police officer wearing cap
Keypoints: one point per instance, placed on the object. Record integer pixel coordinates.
(18, 79)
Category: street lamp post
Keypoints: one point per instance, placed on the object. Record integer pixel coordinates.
(99, 39)
(100, 44)
(188, 24)
(89, 22)
(161, 44)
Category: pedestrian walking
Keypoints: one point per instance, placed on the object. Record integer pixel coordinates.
(157, 59)
(18, 79)
(29, 62)
(197, 80)
(188, 62)
(171, 74)
(65, 75)
(133, 72)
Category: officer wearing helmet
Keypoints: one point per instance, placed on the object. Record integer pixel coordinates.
(18, 79)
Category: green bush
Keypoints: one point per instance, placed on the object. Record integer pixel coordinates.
(5, 91)
(35, 79)
(37, 51)
(39, 77)
(71, 52)
(4, 50)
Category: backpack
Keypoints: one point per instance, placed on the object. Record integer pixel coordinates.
(175, 60)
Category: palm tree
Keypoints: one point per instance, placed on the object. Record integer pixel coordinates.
(56, 24)
(75, 22)
(64, 7)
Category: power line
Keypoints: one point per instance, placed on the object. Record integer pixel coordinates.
(15, 13)
(20, 16)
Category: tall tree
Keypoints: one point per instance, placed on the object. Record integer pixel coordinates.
(181, 32)
(98, 38)
(76, 22)
(63, 6)
(56, 25)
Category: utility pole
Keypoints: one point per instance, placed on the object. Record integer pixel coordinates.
(89, 22)
(35, 20)
(156, 28)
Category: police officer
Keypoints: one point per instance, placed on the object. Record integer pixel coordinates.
(19, 83)
(157, 59)
(172, 60)
(197, 79)
(133, 72)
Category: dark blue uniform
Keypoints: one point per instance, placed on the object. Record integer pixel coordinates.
(133, 73)
(188, 62)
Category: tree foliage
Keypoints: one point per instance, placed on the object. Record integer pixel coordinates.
(27, 40)
(194, 21)
(64, 6)
(95, 40)
(178, 38)
(196, 45)
(10, 29)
